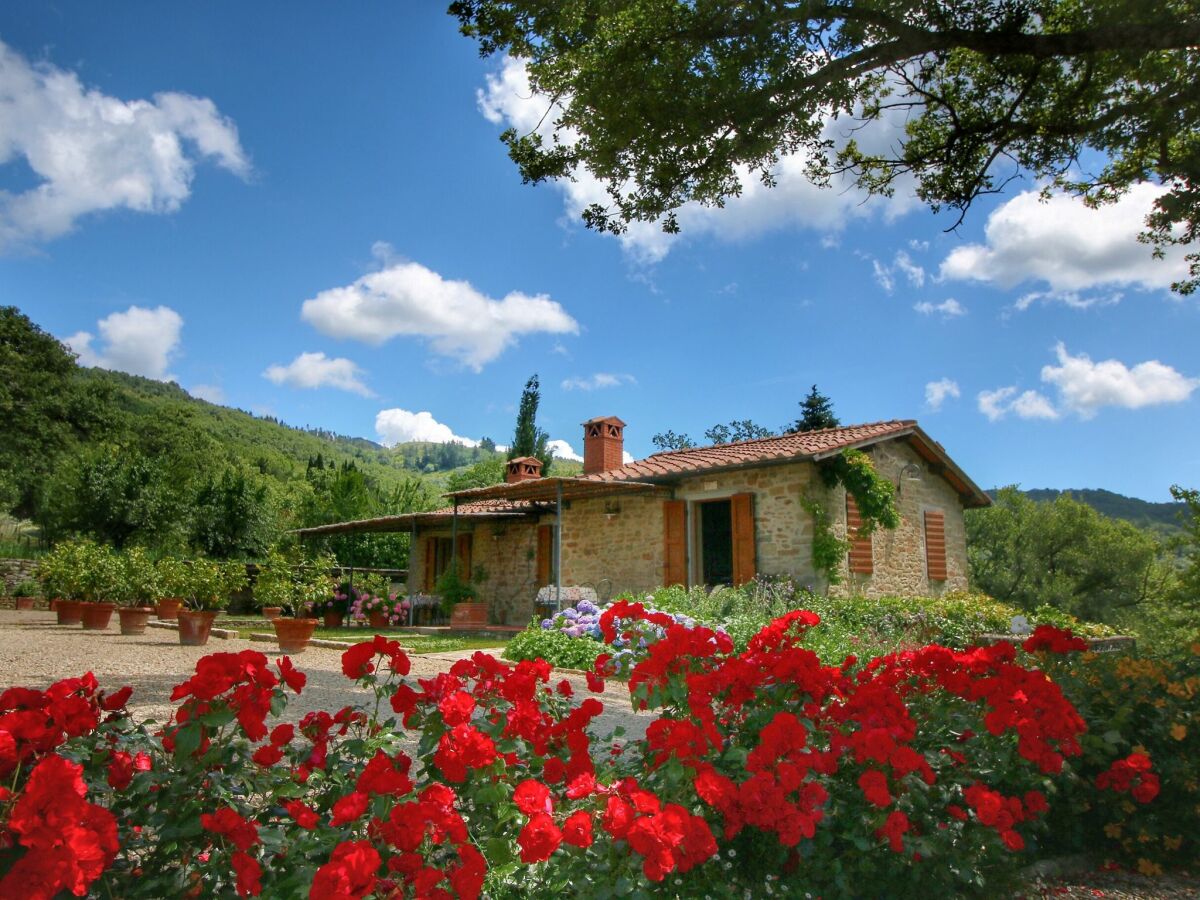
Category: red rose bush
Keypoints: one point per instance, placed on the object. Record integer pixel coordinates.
(761, 771)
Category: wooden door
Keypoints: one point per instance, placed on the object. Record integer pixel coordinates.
(674, 542)
(745, 560)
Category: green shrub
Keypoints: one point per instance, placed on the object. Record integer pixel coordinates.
(26, 588)
(555, 647)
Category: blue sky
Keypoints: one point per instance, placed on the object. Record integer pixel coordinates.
(306, 211)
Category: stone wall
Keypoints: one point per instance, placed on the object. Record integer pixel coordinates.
(614, 543)
(899, 554)
(13, 572)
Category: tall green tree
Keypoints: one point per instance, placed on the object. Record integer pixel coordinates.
(528, 438)
(816, 412)
(1064, 554)
(664, 101)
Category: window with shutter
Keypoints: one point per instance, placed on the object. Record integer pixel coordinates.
(674, 542)
(862, 561)
(464, 555)
(545, 555)
(430, 564)
(745, 562)
(935, 545)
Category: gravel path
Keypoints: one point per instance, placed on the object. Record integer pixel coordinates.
(34, 652)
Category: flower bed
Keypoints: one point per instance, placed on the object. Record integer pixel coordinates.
(931, 770)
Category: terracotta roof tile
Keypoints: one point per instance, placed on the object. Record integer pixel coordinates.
(797, 445)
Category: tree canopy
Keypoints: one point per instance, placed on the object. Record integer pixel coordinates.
(816, 413)
(669, 101)
(528, 438)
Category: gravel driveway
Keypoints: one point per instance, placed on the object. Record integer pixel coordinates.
(34, 652)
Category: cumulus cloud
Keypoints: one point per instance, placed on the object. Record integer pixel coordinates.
(936, 392)
(1027, 405)
(211, 392)
(507, 99)
(1085, 386)
(949, 308)
(407, 299)
(316, 370)
(92, 152)
(563, 450)
(1069, 247)
(396, 426)
(597, 381)
(139, 341)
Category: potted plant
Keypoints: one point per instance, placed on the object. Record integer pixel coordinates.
(138, 588)
(58, 574)
(24, 594)
(171, 573)
(99, 580)
(373, 600)
(457, 601)
(295, 587)
(332, 609)
(208, 585)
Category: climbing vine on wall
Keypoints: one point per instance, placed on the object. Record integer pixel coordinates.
(828, 550)
(874, 495)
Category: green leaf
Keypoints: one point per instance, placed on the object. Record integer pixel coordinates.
(187, 740)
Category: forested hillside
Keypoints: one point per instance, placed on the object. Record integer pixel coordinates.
(132, 460)
(1144, 514)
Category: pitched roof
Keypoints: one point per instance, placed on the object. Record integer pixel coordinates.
(815, 445)
(480, 509)
(796, 445)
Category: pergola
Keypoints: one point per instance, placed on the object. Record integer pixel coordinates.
(511, 500)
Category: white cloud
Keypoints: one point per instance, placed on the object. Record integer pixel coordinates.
(92, 152)
(794, 201)
(1028, 405)
(316, 370)
(936, 392)
(564, 450)
(1069, 247)
(1067, 298)
(1085, 386)
(915, 244)
(213, 393)
(883, 276)
(139, 341)
(396, 426)
(913, 272)
(949, 308)
(405, 298)
(597, 381)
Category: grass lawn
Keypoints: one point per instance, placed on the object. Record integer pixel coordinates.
(413, 643)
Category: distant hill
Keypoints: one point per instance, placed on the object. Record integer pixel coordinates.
(1162, 517)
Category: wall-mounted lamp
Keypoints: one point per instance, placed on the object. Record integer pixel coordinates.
(913, 472)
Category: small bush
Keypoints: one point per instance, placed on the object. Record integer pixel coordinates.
(555, 647)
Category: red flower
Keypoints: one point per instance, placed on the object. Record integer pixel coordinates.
(894, 830)
(577, 829)
(267, 755)
(351, 873)
(349, 808)
(226, 821)
(303, 814)
(120, 770)
(533, 797)
(1055, 640)
(282, 735)
(1012, 840)
(290, 675)
(874, 786)
(539, 838)
(461, 748)
(116, 701)
(248, 874)
(594, 682)
(456, 708)
(383, 776)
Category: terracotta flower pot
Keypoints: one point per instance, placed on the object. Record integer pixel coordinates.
(272, 612)
(69, 612)
(134, 619)
(168, 609)
(194, 626)
(24, 603)
(333, 619)
(469, 616)
(293, 635)
(378, 618)
(96, 616)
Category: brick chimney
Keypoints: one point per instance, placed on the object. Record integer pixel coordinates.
(523, 468)
(603, 443)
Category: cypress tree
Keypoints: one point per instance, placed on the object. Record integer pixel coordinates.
(528, 439)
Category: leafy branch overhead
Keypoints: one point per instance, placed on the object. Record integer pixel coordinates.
(666, 100)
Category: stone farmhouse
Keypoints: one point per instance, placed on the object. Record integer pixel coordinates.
(704, 516)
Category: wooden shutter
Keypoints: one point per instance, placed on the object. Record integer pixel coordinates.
(861, 559)
(674, 542)
(430, 572)
(935, 545)
(745, 562)
(464, 556)
(545, 554)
